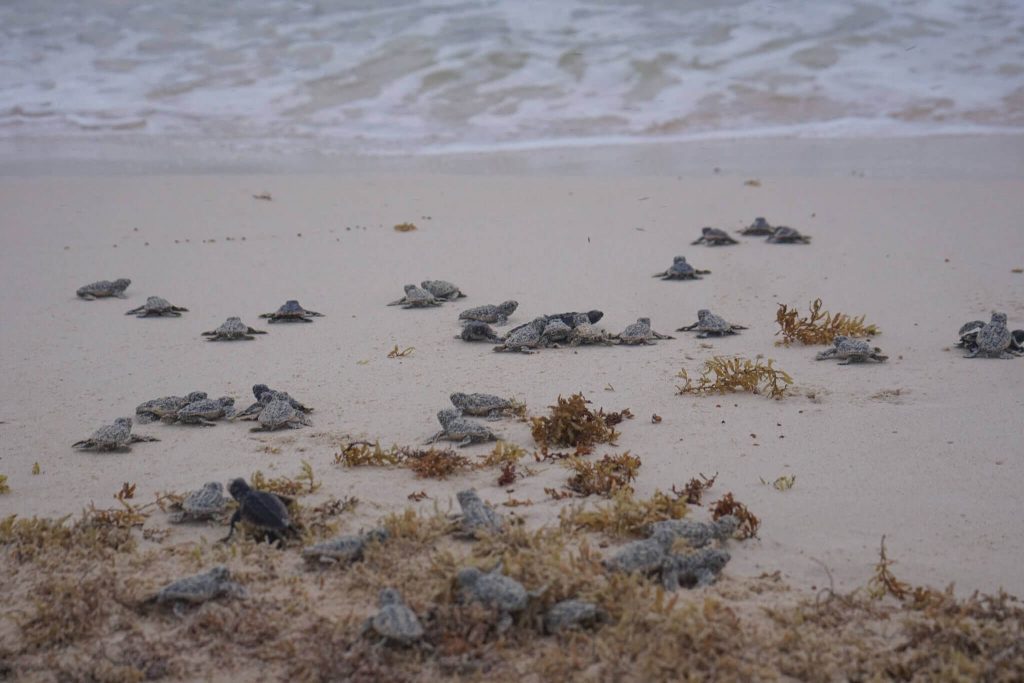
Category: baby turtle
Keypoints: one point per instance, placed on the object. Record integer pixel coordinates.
(232, 329)
(851, 351)
(585, 334)
(759, 228)
(572, 614)
(477, 516)
(698, 534)
(115, 437)
(258, 390)
(260, 509)
(524, 338)
(714, 237)
(640, 332)
(104, 288)
(692, 570)
(395, 622)
(475, 330)
(494, 590)
(572, 319)
(709, 324)
(195, 590)
(787, 235)
(416, 297)
(486, 405)
(205, 411)
(164, 407)
(456, 428)
(968, 334)
(681, 270)
(644, 556)
(555, 332)
(156, 306)
(344, 549)
(496, 315)
(442, 290)
(993, 339)
(278, 413)
(202, 505)
(291, 312)
(1016, 341)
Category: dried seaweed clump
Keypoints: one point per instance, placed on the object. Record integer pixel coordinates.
(727, 505)
(4, 488)
(435, 463)
(572, 423)
(405, 227)
(304, 483)
(364, 453)
(503, 454)
(820, 327)
(29, 538)
(605, 477)
(725, 375)
(624, 515)
(694, 490)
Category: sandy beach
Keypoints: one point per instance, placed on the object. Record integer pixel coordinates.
(923, 449)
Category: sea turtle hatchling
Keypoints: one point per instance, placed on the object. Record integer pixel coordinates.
(232, 329)
(113, 437)
(474, 330)
(395, 622)
(416, 297)
(524, 339)
(344, 549)
(494, 590)
(693, 570)
(993, 339)
(156, 306)
(277, 414)
(205, 411)
(1016, 342)
(643, 556)
(572, 319)
(201, 505)
(698, 534)
(486, 405)
(714, 237)
(709, 324)
(477, 516)
(291, 312)
(968, 334)
(572, 614)
(786, 235)
(258, 390)
(555, 332)
(104, 288)
(442, 290)
(262, 510)
(454, 427)
(681, 270)
(495, 315)
(165, 406)
(759, 228)
(851, 351)
(197, 589)
(640, 332)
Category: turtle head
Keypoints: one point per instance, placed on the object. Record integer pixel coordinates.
(259, 389)
(226, 401)
(234, 319)
(194, 396)
(389, 596)
(727, 525)
(705, 230)
(448, 415)
(213, 486)
(703, 313)
(458, 399)
(122, 283)
(123, 422)
(467, 496)
(220, 573)
(760, 222)
(716, 559)
(409, 288)
(644, 321)
(840, 339)
(238, 488)
(594, 316)
(468, 577)
(508, 307)
(999, 318)
(292, 303)
(679, 259)
(265, 398)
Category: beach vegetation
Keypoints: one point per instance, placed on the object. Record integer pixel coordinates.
(4, 486)
(624, 515)
(722, 375)
(602, 477)
(819, 327)
(573, 424)
(405, 227)
(694, 489)
(727, 505)
(303, 483)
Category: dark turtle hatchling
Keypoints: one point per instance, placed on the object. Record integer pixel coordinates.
(454, 427)
(291, 312)
(115, 437)
(495, 315)
(278, 414)
(555, 332)
(681, 270)
(416, 297)
(709, 324)
(968, 334)
(477, 516)
(442, 290)
(486, 405)
(786, 235)
(104, 288)
(156, 306)
(692, 570)
(205, 411)
(572, 614)
(232, 329)
(1016, 342)
(395, 621)
(165, 407)
(494, 590)
(714, 237)
(698, 534)
(572, 319)
(199, 506)
(524, 338)
(584, 333)
(851, 351)
(344, 549)
(195, 590)
(475, 330)
(258, 390)
(993, 339)
(759, 228)
(644, 556)
(262, 510)
(640, 332)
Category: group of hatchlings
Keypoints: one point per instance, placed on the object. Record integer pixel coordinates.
(395, 621)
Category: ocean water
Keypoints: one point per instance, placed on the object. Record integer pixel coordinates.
(429, 76)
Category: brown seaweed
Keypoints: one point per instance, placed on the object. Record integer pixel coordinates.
(723, 375)
(819, 327)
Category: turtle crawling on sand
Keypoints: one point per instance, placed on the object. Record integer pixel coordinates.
(851, 351)
(475, 330)
(261, 510)
(709, 324)
(395, 622)
(698, 534)
(693, 570)
(968, 334)
(555, 332)
(572, 614)
(572, 319)
(195, 590)
(291, 312)
(524, 339)
(494, 590)
(114, 437)
(202, 505)
(714, 237)
(477, 516)
(442, 290)
(165, 407)
(786, 235)
(278, 413)
(645, 555)
(454, 427)
(992, 340)
(759, 228)
(204, 411)
(156, 306)
(1016, 341)
(496, 315)
(232, 329)
(416, 297)
(258, 390)
(640, 332)
(104, 288)
(344, 549)
(681, 270)
(486, 405)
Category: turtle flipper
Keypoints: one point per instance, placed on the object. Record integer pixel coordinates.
(688, 328)
(255, 331)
